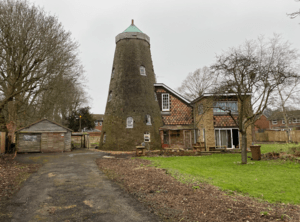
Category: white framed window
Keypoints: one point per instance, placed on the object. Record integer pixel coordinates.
(129, 122)
(296, 120)
(96, 123)
(225, 106)
(142, 71)
(100, 123)
(165, 102)
(109, 96)
(274, 122)
(283, 122)
(147, 137)
(113, 73)
(148, 120)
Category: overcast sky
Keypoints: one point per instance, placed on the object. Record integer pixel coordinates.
(184, 35)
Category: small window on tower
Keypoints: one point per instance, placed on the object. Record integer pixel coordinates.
(146, 137)
(129, 122)
(110, 96)
(142, 71)
(155, 96)
(148, 120)
(104, 137)
(112, 73)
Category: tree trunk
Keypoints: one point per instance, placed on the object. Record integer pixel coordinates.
(244, 147)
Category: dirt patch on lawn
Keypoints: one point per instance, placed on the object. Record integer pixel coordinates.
(12, 175)
(174, 201)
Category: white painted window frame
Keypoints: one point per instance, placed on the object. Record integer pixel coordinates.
(143, 71)
(147, 137)
(148, 120)
(274, 122)
(128, 124)
(219, 129)
(162, 102)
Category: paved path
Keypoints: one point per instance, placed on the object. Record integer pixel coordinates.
(70, 187)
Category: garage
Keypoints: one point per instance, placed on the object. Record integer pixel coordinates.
(43, 136)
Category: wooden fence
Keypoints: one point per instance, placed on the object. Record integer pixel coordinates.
(277, 136)
(2, 142)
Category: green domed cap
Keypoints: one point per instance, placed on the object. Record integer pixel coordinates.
(133, 28)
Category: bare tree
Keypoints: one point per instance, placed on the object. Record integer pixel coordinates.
(35, 50)
(197, 82)
(257, 67)
(288, 94)
(294, 14)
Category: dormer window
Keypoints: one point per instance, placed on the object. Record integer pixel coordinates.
(165, 102)
(109, 96)
(129, 122)
(142, 71)
(113, 73)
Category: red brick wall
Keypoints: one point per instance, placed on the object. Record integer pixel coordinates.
(262, 123)
(99, 127)
(180, 112)
(280, 125)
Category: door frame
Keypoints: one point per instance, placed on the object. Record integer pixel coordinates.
(219, 129)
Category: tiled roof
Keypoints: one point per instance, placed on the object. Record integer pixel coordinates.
(279, 115)
(41, 121)
(224, 121)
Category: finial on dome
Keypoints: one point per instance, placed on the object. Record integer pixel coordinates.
(132, 22)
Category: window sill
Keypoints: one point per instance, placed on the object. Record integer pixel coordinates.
(225, 114)
(165, 113)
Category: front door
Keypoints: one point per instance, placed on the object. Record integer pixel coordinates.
(187, 139)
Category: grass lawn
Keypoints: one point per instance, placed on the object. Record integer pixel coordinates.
(274, 181)
(277, 147)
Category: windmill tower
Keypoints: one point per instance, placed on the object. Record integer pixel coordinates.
(132, 114)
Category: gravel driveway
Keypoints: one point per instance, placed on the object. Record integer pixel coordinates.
(70, 187)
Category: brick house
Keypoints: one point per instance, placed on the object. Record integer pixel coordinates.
(276, 120)
(215, 128)
(262, 123)
(98, 119)
(177, 116)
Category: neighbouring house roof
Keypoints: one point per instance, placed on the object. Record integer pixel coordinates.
(98, 116)
(290, 114)
(43, 120)
(217, 94)
(172, 91)
(177, 127)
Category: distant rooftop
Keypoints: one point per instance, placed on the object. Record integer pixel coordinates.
(133, 28)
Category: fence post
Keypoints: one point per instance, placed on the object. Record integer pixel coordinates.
(2, 142)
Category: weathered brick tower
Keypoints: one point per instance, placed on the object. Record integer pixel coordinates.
(132, 114)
